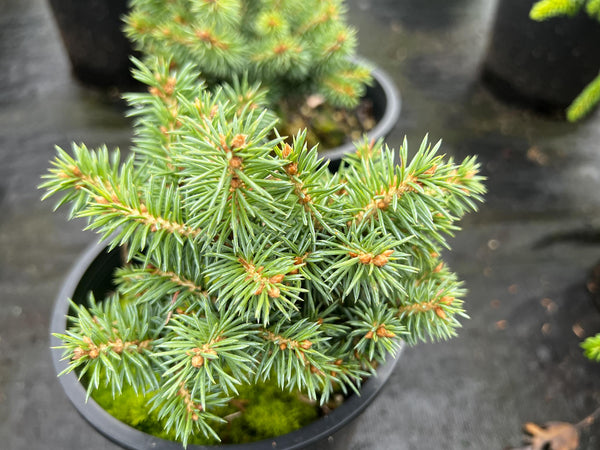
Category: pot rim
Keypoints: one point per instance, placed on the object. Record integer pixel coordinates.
(133, 439)
(390, 116)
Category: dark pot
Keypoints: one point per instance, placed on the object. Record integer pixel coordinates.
(91, 32)
(540, 65)
(386, 109)
(94, 272)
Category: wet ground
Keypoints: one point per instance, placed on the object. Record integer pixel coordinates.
(526, 256)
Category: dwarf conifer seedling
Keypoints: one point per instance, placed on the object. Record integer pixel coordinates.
(249, 259)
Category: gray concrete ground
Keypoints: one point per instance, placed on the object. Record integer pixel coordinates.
(526, 257)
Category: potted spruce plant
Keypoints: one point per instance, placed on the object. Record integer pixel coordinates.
(247, 260)
(303, 53)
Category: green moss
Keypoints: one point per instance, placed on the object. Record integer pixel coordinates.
(259, 412)
(268, 412)
(132, 408)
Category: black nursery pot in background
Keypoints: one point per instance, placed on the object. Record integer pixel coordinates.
(540, 65)
(91, 31)
(93, 272)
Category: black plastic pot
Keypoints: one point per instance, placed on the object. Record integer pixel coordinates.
(91, 32)
(94, 272)
(386, 109)
(540, 65)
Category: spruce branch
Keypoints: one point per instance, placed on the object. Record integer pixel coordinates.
(432, 306)
(291, 355)
(202, 351)
(375, 326)
(545, 9)
(183, 413)
(255, 281)
(586, 100)
(591, 347)
(112, 339)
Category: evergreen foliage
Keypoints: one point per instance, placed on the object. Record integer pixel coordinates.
(546, 9)
(591, 347)
(249, 260)
(300, 47)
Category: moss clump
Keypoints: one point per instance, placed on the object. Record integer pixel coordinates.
(133, 409)
(260, 411)
(267, 412)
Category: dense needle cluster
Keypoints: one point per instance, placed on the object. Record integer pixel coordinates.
(249, 259)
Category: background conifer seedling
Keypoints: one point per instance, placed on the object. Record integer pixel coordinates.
(303, 53)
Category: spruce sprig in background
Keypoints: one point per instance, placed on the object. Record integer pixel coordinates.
(547, 9)
(291, 47)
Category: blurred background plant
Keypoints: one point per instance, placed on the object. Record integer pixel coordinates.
(302, 53)
(547, 9)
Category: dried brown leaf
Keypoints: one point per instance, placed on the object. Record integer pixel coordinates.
(553, 436)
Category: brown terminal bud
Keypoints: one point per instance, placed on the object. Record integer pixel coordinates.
(78, 353)
(235, 162)
(447, 300)
(274, 292)
(259, 290)
(382, 204)
(197, 361)
(283, 346)
(169, 86)
(238, 141)
(369, 335)
(384, 332)
(306, 344)
(380, 260)
(276, 278)
(94, 353)
(292, 168)
(287, 151)
(440, 313)
(365, 258)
